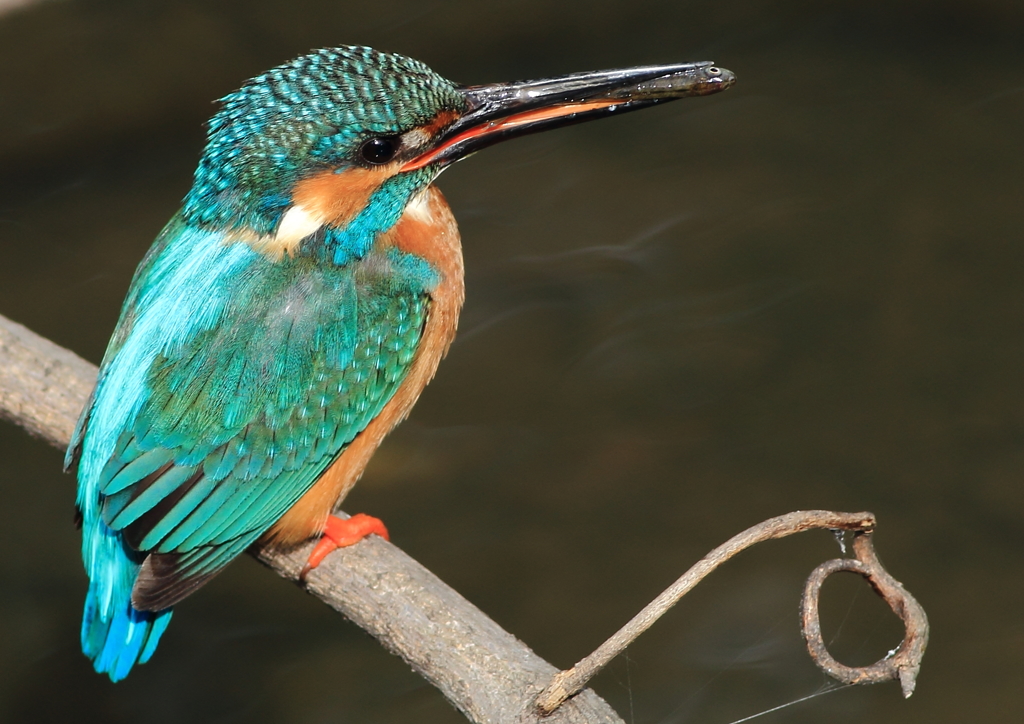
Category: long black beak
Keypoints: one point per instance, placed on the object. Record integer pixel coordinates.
(506, 110)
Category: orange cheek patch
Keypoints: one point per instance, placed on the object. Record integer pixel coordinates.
(337, 198)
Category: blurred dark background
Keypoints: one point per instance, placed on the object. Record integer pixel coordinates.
(804, 292)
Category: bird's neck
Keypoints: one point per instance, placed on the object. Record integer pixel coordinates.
(333, 216)
(358, 207)
(427, 231)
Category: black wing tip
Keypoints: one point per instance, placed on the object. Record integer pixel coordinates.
(162, 582)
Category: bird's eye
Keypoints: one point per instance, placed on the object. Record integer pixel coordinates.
(379, 150)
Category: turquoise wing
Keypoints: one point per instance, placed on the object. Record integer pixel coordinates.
(233, 382)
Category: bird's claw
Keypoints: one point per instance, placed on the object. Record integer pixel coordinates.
(340, 533)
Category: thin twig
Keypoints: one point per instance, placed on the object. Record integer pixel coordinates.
(566, 684)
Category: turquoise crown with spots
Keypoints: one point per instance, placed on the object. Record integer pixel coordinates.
(306, 115)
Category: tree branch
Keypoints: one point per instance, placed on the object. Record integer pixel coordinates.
(486, 672)
(483, 670)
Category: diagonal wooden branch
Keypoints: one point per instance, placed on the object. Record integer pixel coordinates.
(484, 671)
(487, 673)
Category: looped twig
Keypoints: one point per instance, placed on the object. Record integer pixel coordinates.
(568, 683)
(904, 662)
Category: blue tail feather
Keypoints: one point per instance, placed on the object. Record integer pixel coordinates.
(157, 628)
(124, 638)
(115, 635)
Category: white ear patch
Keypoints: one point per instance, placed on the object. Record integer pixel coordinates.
(296, 225)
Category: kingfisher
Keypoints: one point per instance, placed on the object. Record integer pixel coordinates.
(288, 316)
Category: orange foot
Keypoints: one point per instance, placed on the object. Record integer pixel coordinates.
(340, 533)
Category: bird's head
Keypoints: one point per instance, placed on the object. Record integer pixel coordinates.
(341, 139)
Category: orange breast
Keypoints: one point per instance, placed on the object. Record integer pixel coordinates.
(427, 229)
